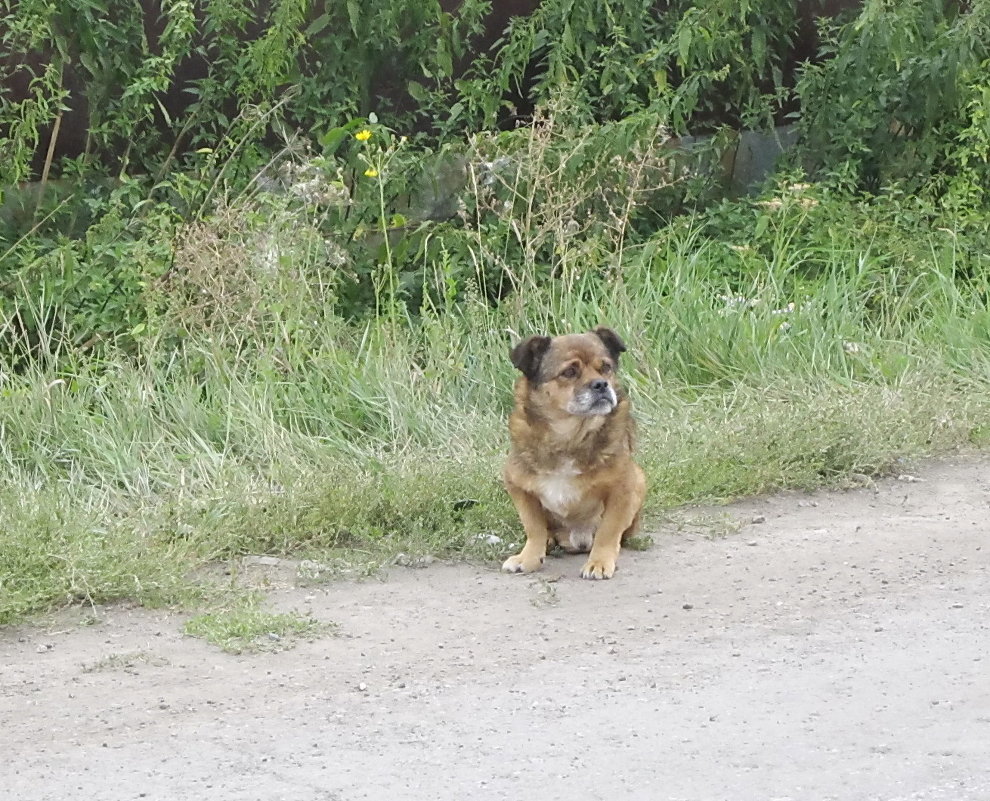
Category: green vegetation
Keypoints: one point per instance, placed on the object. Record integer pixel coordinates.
(244, 627)
(214, 347)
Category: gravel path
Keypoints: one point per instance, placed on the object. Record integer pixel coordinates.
(839, 649)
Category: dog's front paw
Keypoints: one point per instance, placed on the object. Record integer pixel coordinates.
(598, 567)
(522, 563)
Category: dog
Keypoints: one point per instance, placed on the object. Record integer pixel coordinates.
(570, 471)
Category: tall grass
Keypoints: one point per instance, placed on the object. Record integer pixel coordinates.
(773, 351)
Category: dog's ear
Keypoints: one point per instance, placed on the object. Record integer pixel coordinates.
(527, 355)
(612, 342)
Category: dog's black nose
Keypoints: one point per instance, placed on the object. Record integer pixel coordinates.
(599, 385)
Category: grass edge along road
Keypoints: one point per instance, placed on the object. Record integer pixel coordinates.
(124, 474)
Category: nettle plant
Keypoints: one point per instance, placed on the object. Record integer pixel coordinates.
(149, 82)
(698, 63)
(157, 111)
(903, 96)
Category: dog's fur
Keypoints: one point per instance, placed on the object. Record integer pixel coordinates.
(570, 471)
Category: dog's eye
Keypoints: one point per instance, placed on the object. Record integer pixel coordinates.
(570, 372)
(606, 368)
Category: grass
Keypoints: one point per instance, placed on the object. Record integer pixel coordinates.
(243, 626)
(784, 348)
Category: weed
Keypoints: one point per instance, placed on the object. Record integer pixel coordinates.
(640, 542)
(544, 591)
(245, 627)
(126, 661)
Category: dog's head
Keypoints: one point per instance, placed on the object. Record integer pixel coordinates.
(572, 374)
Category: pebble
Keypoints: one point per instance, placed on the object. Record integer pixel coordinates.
(266, 561)
(758, 519)
(405, 560)
(752, 543)
(688, 606)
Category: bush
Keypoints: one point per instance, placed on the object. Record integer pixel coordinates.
(902, 97)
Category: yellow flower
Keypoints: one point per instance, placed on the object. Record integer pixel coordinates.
(363, 136)
(371, 172)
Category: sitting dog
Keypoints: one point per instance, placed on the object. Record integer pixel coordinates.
(570, 470)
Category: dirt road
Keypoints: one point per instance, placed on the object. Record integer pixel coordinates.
(838, 650)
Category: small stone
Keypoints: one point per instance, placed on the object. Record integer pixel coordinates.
(758, 519)
(688, 606)
(957, 606)
(363, 687)
(751, 543)
(264, 561)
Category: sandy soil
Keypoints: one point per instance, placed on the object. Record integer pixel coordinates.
(838, 650)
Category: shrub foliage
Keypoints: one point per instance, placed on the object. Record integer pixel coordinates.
(127, 129)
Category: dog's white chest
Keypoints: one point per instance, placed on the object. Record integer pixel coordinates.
(559, 490)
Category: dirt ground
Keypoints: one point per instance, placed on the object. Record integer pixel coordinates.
(839, 649)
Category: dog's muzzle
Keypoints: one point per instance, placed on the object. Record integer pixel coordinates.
(597, 397)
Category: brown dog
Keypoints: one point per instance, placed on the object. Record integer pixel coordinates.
(570, 470)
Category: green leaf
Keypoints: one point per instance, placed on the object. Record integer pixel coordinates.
(87, 61)
(331, 140)
(759, 47)
(684, 45)
(444, 58)
(317, 25)
(354, 14)
(416, 91)
(761, 225)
